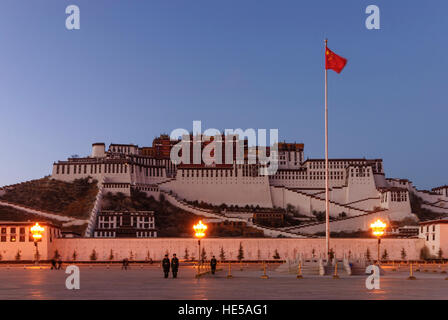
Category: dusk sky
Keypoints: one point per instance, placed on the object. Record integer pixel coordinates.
(136, 69)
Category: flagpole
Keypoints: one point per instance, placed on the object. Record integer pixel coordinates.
(327, 196)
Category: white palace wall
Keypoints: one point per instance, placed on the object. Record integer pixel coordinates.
(306, 204)
(217, 190)
(254, 248)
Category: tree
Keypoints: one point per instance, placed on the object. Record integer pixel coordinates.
(403, 254)
(385, 255)
(440, 253)
(222, 254)
(56, 254)
(424, 253)
(289, 208)
(74, 255)
(203, 255)
(1, 257)
(131, 255)
(240, 252)
(18, 255)
(313, 253)
(331, 254)
(93, 255)
(367, 255)
(187, 254)
(276, 255)
(111, 255)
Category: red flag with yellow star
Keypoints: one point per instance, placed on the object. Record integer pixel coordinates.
(333, 61)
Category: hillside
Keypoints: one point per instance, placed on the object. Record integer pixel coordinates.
(422, 213)
(11, 214)
(73, 199)
(171, 221)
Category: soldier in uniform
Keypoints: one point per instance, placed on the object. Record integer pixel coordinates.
(213, 263)
(174, 265)
(166, 265)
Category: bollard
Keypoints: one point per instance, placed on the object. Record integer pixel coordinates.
(299, 271)
(411, 273)
(229, 275)
(335, 275)
(264, 276)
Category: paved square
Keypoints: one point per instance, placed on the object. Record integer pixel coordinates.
(146, 282)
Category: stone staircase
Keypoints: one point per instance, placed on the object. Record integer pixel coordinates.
(94, 212)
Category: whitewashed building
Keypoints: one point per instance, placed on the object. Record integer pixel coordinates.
(435, 234)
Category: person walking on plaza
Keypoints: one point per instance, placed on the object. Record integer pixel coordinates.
(175, 265)
(59, 263)
(53, 264)
(166, 266)
(213, 263)
(125, 264)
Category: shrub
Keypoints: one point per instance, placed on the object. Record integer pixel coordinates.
(18, 255)
(56, 254)
(276, 255)
(403, 254)
(385, 255)
(93, 255)
(367, 254)
(424, 253)
(222, 254)
(240, 252)
(331, 254)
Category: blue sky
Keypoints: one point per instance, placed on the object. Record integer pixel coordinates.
(139, 68)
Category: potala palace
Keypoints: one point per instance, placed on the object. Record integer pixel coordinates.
(359, 189)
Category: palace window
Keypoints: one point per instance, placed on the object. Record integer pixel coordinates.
(22, 235)
(13, 237)
(3, 235)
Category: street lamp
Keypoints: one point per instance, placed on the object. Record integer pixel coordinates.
(37, 231)
(199, 230)
(378, 230)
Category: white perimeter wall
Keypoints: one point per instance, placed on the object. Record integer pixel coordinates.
(254, 248)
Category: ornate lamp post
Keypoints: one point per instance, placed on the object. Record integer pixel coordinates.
(37, 231)
(378, 230)
(199, 230)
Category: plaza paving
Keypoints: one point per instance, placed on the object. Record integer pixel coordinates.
(146, 282)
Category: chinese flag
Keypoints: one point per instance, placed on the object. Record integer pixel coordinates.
(333, 61)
